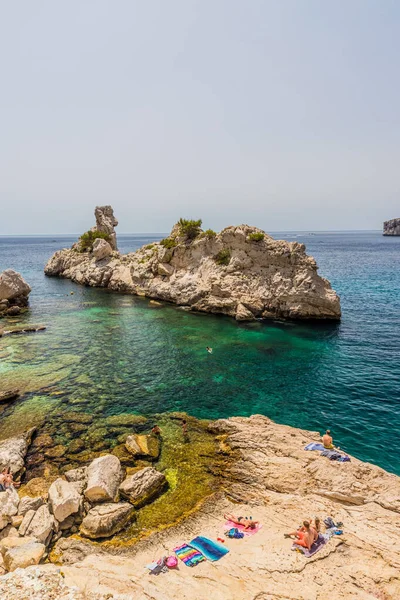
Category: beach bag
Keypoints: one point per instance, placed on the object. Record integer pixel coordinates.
(171, 562)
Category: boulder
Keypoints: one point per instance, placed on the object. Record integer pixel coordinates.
(146, 446)
(24, 555)
(79, 474)
(26, 521)
(13, 451)
(13, 541)
(104, 520)
(40, 526)
(64, 499)
(143, 486)
(13, 286)
(104, 477)
(243, 313)
(9, 501)
(101, 249)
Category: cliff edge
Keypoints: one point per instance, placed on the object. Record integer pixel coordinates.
(241, 271)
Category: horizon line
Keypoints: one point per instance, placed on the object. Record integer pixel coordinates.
(165, 232)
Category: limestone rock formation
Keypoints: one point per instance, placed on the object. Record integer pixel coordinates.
(143, 486)
(14, 292)
(144, 446)
(241, 272)
(104, 520)
(391, 227)
(9, 501)
(64, 499)
(13, 452)
(104, 477)
(105, 222)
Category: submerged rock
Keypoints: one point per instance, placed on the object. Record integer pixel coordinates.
(104, 520)
(146, 446)
(143, 486)
(9, 395)
(241, 272)
(104, 477)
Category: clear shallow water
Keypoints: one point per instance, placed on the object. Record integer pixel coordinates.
(106, 353)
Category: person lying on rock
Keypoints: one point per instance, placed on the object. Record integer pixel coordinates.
(327, 440)
(246, 522)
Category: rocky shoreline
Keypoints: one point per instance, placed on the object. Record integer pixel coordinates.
(241, 272)
(266, 473)
(391, 227)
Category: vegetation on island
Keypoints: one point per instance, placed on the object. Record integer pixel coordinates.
(190, 228)
(168, 243)
(223, 257)
(257, 236)
(88, 238)
(210, 233)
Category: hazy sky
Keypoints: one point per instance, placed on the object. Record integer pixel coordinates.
(279, 113)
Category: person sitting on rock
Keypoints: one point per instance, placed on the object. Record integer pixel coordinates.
(246, 522)
(327, 440)
(156, 430)
(313, 526)
(305, 535)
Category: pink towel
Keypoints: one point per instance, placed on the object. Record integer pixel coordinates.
(247, 532)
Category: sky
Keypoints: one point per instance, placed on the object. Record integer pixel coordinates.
(284, 114)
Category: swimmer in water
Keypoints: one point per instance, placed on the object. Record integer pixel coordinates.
(209, 350)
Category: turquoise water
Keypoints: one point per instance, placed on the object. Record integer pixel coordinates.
(105, 353)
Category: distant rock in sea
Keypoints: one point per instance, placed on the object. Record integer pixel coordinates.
(241, 271)
(391, 227)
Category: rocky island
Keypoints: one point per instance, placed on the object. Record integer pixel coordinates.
(241, 271)
(391, 227)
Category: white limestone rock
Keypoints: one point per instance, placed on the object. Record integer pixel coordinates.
(104, 478)
(143, 486)
(101, 249)
(104, 520)
(64, 499)
(13, 451)
(9, 501)
(13, 285)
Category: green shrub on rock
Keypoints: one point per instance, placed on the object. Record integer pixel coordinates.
(210, 233)
(256, 236)
(223, 257)
(88, 238)
(168, 243)
(189, 228)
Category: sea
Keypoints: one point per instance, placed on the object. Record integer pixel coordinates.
(108, 353)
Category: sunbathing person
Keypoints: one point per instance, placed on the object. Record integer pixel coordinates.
(9, 480)
(305, 536)
(246, 522)
(327, 440)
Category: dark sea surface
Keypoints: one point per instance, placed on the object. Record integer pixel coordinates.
(107, 353)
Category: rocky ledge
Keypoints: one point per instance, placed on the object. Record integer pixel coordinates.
(391, 227)
(14, 292)
(270, 476)
(241, 271)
